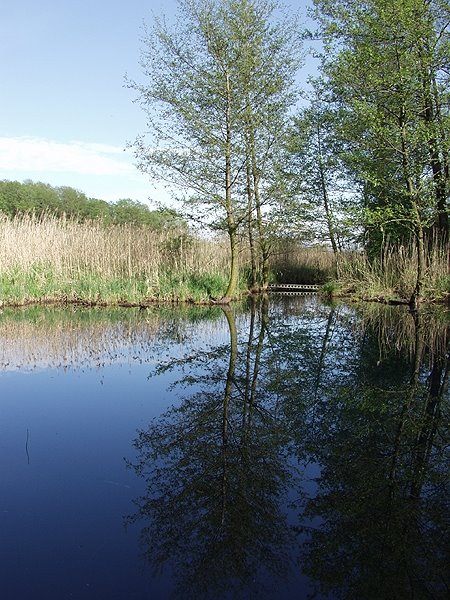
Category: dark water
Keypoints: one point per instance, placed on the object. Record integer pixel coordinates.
(279, 450)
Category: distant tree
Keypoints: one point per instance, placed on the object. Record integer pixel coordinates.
(97, 209)
(129, 211)
(38, 197)
(13, 197)
(132, 211)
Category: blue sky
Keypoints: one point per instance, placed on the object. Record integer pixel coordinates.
(65, 115)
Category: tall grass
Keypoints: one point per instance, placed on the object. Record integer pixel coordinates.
(49, 258)
(392, 275)
(292, 263)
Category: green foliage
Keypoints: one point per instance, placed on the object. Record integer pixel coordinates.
(38, 197)
(217, 89)
(385, 66)
(316, 175)
(196, 287)
(330, 289)
(132, 211)
(42, 198)
(41, 284)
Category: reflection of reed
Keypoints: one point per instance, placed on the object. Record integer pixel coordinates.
(396, 329)
(40, 337)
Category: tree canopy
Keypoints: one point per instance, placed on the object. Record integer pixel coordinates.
(217, 88)
(28, 196)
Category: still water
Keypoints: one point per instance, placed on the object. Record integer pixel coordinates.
(284, 449)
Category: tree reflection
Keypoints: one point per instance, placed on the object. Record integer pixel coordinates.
(383, 497)
(216, 469)
(362, 398)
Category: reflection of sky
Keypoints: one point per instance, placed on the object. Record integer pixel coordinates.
(61, 514)
(66, 428)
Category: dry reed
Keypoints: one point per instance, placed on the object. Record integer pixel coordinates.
(292, 263)
(107, 250)
(75, 337)
(61, 256)
(399, 330)
(392, 275)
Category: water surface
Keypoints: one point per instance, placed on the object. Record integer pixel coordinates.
(285, 449)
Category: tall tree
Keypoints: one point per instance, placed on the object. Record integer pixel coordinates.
(269, 59)
(212, 81)
(313, 164)
(387, 62)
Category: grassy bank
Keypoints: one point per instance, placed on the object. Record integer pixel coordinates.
(391, 277)
(54, 259)
(50, 259)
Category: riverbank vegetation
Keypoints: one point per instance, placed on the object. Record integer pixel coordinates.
(348, 186)
(390, 277)
(363, 163)
(381, 113)
(49, 259)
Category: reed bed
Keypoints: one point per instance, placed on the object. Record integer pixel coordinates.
(392, 275)
(49, 258)
(292, 263)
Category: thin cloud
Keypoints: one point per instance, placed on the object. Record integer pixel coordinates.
(32, 155)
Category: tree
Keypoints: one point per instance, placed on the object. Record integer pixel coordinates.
(387, 63)
(383, 493)
(41, 198)
(215, 468)
(269, 59)
(214, 82)
(314, 166)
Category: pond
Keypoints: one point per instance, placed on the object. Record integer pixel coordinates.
(283, 449)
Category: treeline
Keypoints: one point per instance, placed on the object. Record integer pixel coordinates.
(374, 143)
(18, 198)
(364, 163)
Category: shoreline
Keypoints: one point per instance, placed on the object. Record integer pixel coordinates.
(151, 302)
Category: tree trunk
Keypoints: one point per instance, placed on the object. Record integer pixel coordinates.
(432, 118)
(263, 242)
(251, 239)
(420, 246)
(231, 223)
(233, 277)
(417, 226)
(326, 203)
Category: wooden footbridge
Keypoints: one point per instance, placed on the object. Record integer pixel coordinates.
(293, 288)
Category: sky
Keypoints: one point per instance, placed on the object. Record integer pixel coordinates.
(65, 114)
